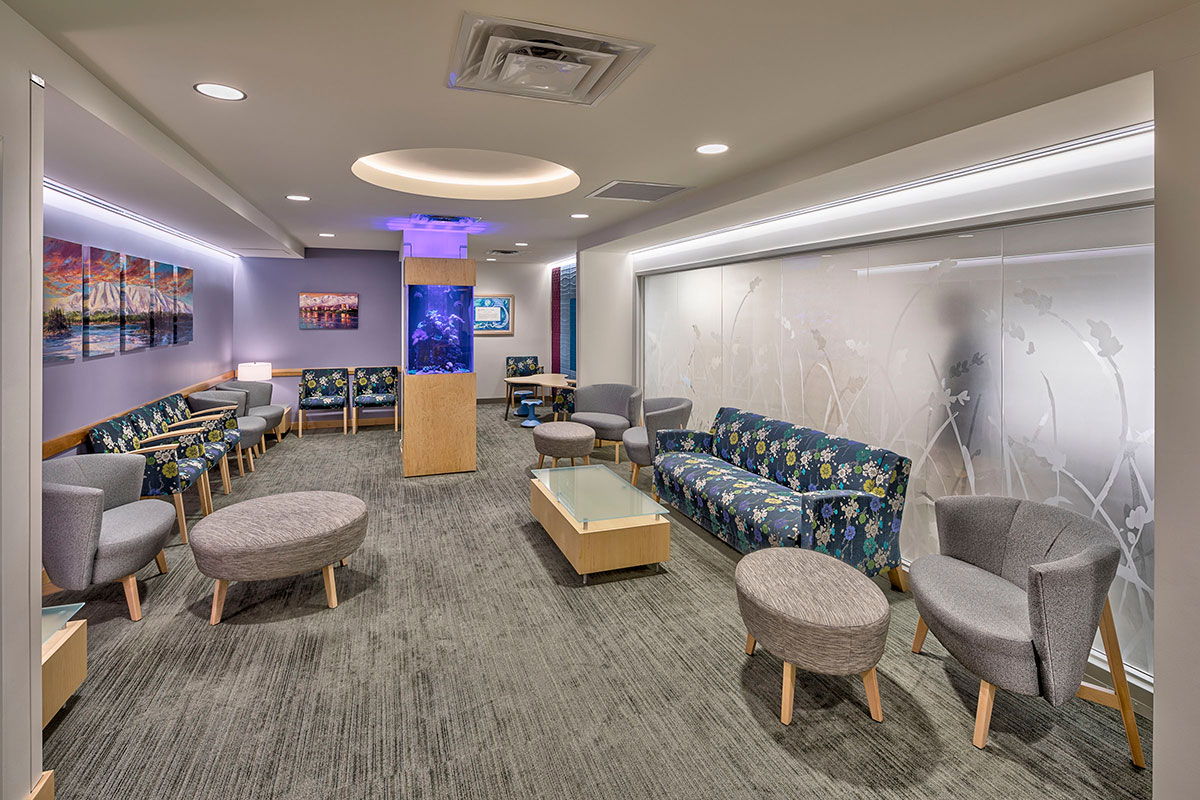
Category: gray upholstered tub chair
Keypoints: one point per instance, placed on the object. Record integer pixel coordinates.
(95, 526)
(661, 413)
(609, 409)
(1016, 594)
(251, 428)
(258, 404)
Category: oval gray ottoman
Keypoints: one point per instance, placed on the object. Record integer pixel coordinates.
(278, 536)
(563, 440)
(815, 612)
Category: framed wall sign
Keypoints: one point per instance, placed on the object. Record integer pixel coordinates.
(494, 314)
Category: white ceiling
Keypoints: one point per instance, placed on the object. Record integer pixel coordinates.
(330, 82)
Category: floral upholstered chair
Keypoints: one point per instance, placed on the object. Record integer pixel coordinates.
(324, 390)
(220, 431)
(519, 367)
(376, 387)
(174, 460)
(564, 402)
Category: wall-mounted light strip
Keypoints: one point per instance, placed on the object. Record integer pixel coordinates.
(112, 208)
(1019, 158)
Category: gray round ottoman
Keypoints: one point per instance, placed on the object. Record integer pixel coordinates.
(278, 536)
(563, 440)
(815, 612)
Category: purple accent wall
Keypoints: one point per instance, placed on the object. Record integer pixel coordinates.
(83, 391)
(266, 325)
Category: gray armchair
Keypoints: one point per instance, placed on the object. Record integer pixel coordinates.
(258, 404)
(609, 409)
(95, 527)
(251, 429)
(661, 413)
(1016, 594)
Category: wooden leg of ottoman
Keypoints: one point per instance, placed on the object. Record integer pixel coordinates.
(330, 587)
(587, 460)
(789, 693)
(633, 476)
(131, 597)
(218, 601)
(161, 560)
(541, 459)
(871, 684)
(919, 639)
(750, 644)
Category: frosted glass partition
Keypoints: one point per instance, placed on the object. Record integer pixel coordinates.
(1014, 361)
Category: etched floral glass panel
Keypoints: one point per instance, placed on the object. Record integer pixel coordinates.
(751, 315)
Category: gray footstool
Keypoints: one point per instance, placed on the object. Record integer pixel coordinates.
(563, 440)
(815, 612)
(278, 536)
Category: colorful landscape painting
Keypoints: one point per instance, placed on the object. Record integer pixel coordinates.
(62, 300)
(101, 302)
(162, 309)
(182, 295)
(137, 301)
(328, 311)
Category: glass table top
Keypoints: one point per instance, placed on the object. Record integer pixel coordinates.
(595, 493)
(54, 617)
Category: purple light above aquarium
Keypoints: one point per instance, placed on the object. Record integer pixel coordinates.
(435, 222)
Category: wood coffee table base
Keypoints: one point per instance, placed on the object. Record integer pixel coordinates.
(607, 545)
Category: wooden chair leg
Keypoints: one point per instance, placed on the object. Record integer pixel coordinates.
(300, 424)
(218, 604)
(554, 461)
(983, 714)
(396, 416)
(750, 644)
(572, 461)
(541, 459)
(180, 516)
(205, 488)
(1116, 667)
(240, 461)
(345, 560)
(278, 435)
(345, 419)
(633, 475)
(225, 474)
(131, 597)
(330, 587)
(587, 460)
(262, 446)
(919, 639)
(354, 424)
(161, 560)
(616, 452)
(871, 684)
(789, 693)
(250, 459)
(898, 578)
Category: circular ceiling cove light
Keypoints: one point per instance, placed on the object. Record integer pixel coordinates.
(579, 216)
(219, 91)
(299, 198)
(712, 149)
(463, 174)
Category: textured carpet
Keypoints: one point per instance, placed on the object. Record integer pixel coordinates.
(466, 660)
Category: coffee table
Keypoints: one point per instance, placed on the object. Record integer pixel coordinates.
(599, 521)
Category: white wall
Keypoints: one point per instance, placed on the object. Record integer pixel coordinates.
(606, 318)
(530, 286)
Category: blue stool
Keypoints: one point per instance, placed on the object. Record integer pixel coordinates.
(528, 410)
(517, 396)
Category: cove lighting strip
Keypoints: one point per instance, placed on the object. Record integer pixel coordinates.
(112, 208)
(986, 166)
(562, 262)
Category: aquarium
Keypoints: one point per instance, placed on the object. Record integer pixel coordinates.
(441, 335)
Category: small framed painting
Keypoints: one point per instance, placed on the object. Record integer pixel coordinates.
(494, 314)
(328, 311)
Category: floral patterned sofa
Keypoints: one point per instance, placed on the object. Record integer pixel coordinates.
(759, 482)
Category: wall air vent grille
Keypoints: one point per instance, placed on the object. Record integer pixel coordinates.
(640, 191)
(528, 59)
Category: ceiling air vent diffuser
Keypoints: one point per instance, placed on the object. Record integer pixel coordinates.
(528, 59)
(503, 252)
(640, 191)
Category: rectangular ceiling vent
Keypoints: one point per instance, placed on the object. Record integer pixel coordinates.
(528, 59)
(641, 191)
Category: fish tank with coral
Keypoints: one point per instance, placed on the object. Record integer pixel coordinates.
(441, 333)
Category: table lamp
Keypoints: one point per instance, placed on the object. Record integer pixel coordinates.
(254, 371)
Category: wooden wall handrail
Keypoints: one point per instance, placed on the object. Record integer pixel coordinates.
(295, 373)
(73, 439)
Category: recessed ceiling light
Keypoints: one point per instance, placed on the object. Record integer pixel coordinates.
(966, 236)
(326, 235)
(579, 216)
(491, 259)
(712, 149)
(299, 198)
(219, 91)
(521, 244)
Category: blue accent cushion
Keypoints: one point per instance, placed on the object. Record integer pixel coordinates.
(374, 399)
(322, 402)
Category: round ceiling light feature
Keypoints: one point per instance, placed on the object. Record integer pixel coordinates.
(325, 235)
(299, 198)
(712, 149)
(465, 174)
(579, 216)
(219, 91)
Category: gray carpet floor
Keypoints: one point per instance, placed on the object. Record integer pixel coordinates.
(466, 660)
